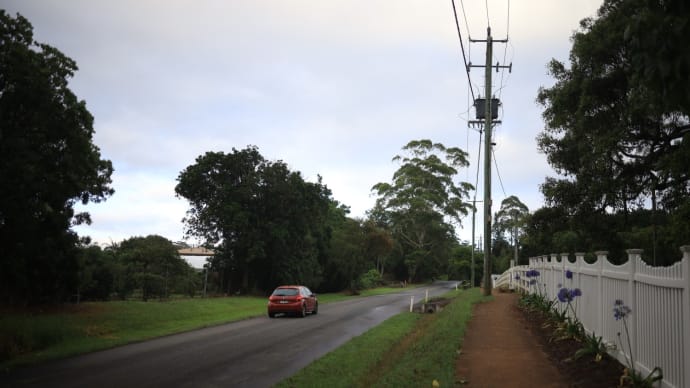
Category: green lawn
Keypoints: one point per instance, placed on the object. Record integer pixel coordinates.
(75, 329)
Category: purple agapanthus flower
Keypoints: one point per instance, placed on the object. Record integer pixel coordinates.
(517, 276)
(566, 295)
(620, 311)
(532, 273)
(568, 274)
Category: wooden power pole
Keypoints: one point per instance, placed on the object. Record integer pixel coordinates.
(487, 165)
(490, 112)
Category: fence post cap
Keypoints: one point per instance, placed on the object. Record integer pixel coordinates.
(685, 248)
(634, 251)
(601, 253)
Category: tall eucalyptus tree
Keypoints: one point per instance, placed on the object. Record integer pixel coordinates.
(423, 202)
(510, 219)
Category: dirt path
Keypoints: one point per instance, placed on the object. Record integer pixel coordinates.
(500, 351)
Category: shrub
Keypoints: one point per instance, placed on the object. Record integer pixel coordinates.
(370, 279)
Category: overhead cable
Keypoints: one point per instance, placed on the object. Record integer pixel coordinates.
(488, 24)
(498, 173)
(462, 48)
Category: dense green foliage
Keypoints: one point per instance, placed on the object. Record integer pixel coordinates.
(48, 163)
(420, 207)
(508, 229)
(460, 264)
(618, 131)
(152, 265)
(346, 254)
(608, 127)
(139, 267)
(269, 226)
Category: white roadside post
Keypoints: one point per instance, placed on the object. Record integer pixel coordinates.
(411, 302)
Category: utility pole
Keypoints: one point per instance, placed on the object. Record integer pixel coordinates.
(487, 165)
(489, 114)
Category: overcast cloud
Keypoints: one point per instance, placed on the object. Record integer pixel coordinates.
(333, 88)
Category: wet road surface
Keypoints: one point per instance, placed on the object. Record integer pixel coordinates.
(257, 352)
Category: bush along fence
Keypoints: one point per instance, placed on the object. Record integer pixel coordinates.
(641, 312)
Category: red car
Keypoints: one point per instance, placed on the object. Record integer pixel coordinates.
(292, 300)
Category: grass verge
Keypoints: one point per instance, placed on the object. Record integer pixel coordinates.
(406, 350)
(30, 337)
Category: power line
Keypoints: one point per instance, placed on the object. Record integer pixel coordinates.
(505, 50)
(467, 144)
(498, 173)
(508, 22)
(479, 158)
(469, 35)
(464, 15)
(462, 48)
(488, 24)
(474, 207)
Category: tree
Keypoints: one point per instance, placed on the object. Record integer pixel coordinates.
(294, 231)
(153, 265)
(378, 244)
(425, 181)
(510, 219)
(48, 163)
(655, 32)
(267, 225)
(221, 190)
(420, 199)
(459, 267)
(96, 275)
(617, 123)
(540, 228)
(346, 256)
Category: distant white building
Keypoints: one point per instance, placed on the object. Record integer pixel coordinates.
(196, 257)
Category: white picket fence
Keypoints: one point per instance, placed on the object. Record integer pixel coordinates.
(659, 297)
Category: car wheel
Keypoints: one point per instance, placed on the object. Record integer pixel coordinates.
(303, 312)
(316, 308)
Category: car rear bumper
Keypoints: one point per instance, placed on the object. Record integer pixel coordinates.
(278, 308)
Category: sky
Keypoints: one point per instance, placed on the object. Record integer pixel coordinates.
(332, 88)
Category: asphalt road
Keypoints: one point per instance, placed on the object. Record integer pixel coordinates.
(256, 352)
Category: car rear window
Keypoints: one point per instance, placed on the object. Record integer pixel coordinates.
(286, 292)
